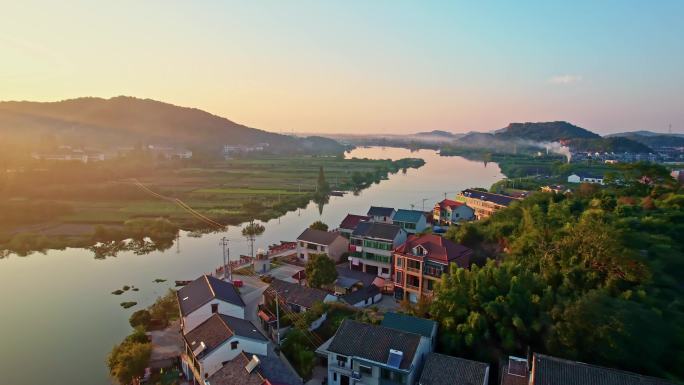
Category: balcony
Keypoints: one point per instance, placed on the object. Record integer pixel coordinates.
(413, 270)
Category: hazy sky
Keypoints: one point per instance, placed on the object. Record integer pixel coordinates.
(366, 66)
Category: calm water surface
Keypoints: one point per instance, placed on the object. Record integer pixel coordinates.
(58, 319)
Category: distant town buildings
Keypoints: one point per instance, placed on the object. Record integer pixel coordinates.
(232, 150)
(68, 154)
(585, 178)
(484, 203)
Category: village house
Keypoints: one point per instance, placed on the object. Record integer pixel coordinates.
(450, 212)
(313, 241)
(362, 297)
(219, 339)
(257, 370)
(548, 370)
(556, 189)
(412, 221)
(484, 203)
(350, 222)
(299, 298)
(370, 354)
(585, 178)
(371, 246)
(425, 328)
(441, 369)
(206, 296)
(381, 214)
(421, 261)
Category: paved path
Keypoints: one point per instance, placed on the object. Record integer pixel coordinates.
(167, 344)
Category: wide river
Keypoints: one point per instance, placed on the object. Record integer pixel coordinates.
(58, 318)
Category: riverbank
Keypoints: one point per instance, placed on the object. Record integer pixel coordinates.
(158, 204)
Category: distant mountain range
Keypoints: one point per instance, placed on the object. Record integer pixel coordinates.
(126, 120)
(537, 135)
(440, 133)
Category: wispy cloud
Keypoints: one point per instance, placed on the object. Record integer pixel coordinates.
(565, 79)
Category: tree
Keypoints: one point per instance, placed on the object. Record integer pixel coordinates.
(319, 225)
(128, 360)
(251, 231)
(322, 186)
(297, 349)
(140, 318)
(320, 270)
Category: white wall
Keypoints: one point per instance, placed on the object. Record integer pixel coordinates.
(213, 362)
(203, 313)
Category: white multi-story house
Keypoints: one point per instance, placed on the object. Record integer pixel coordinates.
(381, 214)
(361, 353)
(371, 246)
(313, 241)
(218, 340)
(206, 296)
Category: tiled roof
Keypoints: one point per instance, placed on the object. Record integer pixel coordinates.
(438, 249)
(446, 370)
(376, 211)
(499, 199)
(409, 216)
(298, 294)
(449, 203)
(318, 237)
(361, 295)
(204, 289)
(352, 220)
(383, 231)
(234, 372)
(552, 371)
(373, 342)
(408, 323)
(218, 329)
(345, 271)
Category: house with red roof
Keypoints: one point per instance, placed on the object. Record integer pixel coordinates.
(449, 212)
(350, 222)
(420, 262)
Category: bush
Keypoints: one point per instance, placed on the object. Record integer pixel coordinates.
(140, 318)
(128, 360)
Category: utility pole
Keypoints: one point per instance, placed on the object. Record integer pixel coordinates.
(277, 317)
(424, 199)
(226, 257)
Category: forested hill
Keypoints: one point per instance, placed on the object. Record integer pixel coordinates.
(653, 140)
(544, 131)
(518, 136)
(126, 120)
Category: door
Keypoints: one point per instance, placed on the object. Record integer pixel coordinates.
(344, 380)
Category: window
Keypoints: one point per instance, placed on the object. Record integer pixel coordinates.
(214, 308)
(234, 345)
(366, 370)
(400, 262)
(341, 360)
(335, 376)
(400, 278)
(385, 270)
